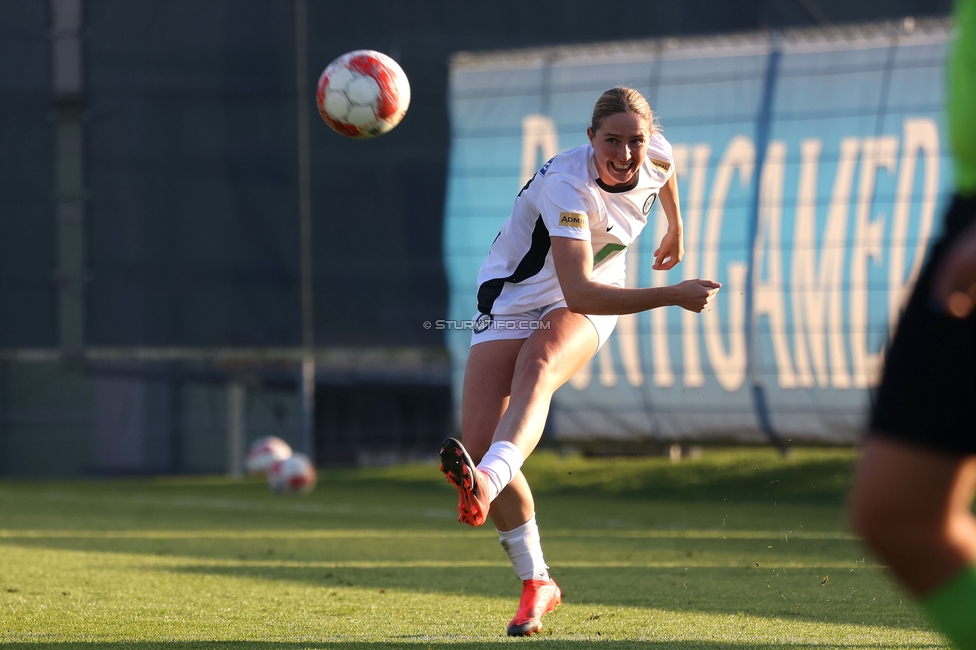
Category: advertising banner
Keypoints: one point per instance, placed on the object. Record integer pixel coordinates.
(812, 168)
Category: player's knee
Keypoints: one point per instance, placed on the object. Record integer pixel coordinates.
(535, 373)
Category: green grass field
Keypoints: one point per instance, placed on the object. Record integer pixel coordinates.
(736, 549)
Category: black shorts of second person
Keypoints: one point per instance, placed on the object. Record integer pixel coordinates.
(928, 392)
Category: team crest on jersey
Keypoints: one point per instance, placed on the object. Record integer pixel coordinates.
(649, 203)
(545, 168)
(481, 323)
(572, 219)
(660, 164)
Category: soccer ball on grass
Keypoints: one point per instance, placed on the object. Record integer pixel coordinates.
(363, 94)
(293, 475)
(265, 452)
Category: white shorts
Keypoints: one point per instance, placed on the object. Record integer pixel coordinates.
(520, 326)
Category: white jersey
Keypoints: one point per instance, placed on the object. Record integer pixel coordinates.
(566, 198)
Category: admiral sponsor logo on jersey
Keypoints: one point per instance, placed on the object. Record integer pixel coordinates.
(660, 164)
(572, 219)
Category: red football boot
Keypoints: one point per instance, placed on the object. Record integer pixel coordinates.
(471, 483)
(538, 597)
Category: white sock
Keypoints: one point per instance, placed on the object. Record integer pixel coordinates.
(524, 548)
(500, 464)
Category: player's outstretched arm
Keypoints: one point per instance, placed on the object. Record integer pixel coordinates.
(954, 285)
(672, 247)
(573, 259)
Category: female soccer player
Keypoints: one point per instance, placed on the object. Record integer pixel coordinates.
(548, 297)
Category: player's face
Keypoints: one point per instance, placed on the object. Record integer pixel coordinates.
(620, 145)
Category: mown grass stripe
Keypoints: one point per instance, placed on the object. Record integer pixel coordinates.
(613, 533)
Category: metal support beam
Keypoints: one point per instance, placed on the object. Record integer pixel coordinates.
(236, 394)
(67, 86)
(305, 228)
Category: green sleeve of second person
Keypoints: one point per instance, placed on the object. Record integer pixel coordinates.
(962, 97)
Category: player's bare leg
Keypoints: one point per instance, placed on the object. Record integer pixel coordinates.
(913, 508)
(546, 361)
(487, 388)
(549, 358)
(535, 368)
(493, 414)
(485, 396)
(514, 505)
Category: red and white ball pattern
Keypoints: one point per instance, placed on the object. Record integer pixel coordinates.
(363, 94)
(293, 475)
(265, 452)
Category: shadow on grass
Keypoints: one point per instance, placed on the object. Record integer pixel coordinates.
(427, 643)
(409, 495)
(814, 482)
(800, 595)
(809, 477)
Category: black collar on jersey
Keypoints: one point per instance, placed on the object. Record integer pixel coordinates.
(616, 189)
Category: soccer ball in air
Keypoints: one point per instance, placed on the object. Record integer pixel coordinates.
(293, 475)
(363, 94)
(265, 452)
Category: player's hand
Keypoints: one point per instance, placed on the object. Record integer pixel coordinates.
(694, 295)
(670, 252)
(954, 285)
